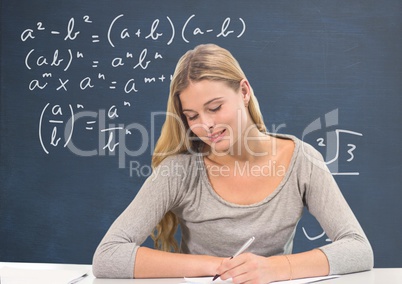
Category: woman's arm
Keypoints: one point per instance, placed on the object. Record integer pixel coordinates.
(116, 255)
(350, 250)
(154, 263)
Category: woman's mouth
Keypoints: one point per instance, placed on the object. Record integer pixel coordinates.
(215, 137)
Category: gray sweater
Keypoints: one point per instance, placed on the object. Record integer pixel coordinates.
(212, 226)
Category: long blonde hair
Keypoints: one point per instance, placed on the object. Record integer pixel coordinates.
(205, 62)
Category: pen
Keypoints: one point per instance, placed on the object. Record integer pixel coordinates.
(242, 249)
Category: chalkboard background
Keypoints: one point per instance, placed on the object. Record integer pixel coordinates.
(84, 85)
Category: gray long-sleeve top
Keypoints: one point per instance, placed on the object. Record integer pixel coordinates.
(210, 225)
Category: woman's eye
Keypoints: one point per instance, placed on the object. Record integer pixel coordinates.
(216, 109)
(192, 117)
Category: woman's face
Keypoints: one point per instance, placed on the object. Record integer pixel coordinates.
(216, 113)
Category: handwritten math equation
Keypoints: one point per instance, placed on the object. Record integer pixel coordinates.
(339, 145)
(131, 46)
(58, 126)
(110, 57)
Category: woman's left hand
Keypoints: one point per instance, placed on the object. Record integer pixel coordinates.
(247, 268)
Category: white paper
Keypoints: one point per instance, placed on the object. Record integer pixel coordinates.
(10, 275)
(306, 280)
(197, 280)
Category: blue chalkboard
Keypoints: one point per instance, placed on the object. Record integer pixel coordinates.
(84, 86)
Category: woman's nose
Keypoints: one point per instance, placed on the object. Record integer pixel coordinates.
(208, 122)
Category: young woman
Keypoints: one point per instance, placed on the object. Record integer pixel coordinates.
(223, 178)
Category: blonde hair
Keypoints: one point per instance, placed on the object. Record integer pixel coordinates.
(205, 62)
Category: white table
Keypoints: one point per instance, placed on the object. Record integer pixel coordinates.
(375, 276)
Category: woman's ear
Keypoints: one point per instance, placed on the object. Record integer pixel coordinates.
(245, 91)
